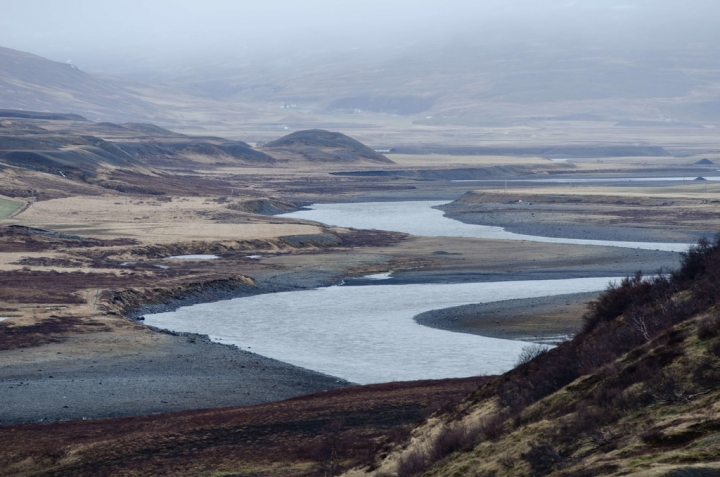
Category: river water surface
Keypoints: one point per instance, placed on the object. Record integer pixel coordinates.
(420, 218)
(366, 334)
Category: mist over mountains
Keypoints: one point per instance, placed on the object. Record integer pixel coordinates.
(458, 63)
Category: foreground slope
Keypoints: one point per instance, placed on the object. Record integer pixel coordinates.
(636, 392)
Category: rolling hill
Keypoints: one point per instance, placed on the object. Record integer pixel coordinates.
(129, 157)
(317, 145)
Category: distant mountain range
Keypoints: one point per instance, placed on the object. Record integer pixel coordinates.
(451, 85)
(31, 82)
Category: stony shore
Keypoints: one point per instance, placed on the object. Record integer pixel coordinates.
(110, 374)
(549, 319)
(180, 373)
(555, 221)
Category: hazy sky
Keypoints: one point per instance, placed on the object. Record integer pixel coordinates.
(97, 33)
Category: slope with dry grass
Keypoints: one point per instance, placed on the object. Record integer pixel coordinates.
(636, 392)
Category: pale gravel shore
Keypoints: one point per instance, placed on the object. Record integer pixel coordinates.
(184, 372)
(57, 381)
(544, 223)
(543, 320)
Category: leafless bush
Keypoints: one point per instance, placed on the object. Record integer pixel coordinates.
(514, 394)
(412, 463)
(543, 458)
(693, 261)
(714, 347)
(531, 352)
(615, 300)
(492, 427)
(670, 386)
(453, 438)
(708, 328)
(330, 449)
(707, 373)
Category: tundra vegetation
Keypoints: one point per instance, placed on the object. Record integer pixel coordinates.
(635, 391)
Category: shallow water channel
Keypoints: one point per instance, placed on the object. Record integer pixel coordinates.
(366, 334)
(419, 218)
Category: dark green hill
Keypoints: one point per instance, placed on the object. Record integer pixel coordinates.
(325, 146)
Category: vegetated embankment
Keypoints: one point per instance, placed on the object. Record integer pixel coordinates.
(635, 392)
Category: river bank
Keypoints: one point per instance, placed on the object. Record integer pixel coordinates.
(135, 369)
(545, 320)
(592, 213)
(99, 377)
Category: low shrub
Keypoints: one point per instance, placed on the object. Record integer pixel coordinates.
(452, 438)
(709, 328)
(492, 427)
(543, 458)
(412, 463)
(531, 352)
(714, 347)
(707, 373)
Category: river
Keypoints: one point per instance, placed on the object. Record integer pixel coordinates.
(420, 218)
(366, 334)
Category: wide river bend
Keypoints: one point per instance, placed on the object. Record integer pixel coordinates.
(366, 334)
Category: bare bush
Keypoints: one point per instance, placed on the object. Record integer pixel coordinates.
(670, 386)
(412, 463)
(615, 300)
(454, 438)
(714, 347)
(543, 458)
(707, 373)
(709, 328)
(493, 426)
(331, 449)
(531, 352)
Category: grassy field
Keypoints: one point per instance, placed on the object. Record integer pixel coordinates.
(7, 207)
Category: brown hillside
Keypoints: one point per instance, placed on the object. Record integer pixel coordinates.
(637, 392)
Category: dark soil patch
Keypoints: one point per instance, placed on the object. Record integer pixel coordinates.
(49, 330)
(21, 286)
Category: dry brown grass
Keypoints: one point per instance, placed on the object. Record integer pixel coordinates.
(150, 220)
